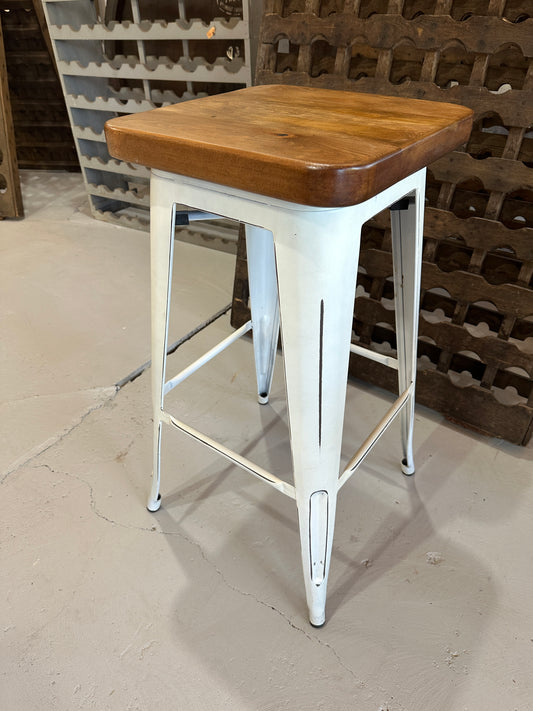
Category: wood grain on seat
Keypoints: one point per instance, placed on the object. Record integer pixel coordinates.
(310, 146)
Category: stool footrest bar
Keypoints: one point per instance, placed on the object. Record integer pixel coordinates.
(193, 367)
(373, 355)
(373, 437)
(232, 456)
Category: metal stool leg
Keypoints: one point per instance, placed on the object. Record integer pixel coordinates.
(407, 218)
(264, 305)
(316, 279)
(162, 223)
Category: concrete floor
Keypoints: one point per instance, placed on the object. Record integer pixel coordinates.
(201, 606)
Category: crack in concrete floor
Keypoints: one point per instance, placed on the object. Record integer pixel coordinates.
(111, 394)
(43, 447)
(195, 544)
(364, 683)
(112, 391)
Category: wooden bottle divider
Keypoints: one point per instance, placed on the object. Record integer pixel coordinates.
(484, 35)
(450, 336)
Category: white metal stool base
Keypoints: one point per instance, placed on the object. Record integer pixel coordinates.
(303, 264)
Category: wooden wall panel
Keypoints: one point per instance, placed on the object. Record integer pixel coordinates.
(42, 131)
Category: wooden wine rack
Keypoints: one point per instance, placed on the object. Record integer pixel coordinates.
(140, 55)
(476, 325)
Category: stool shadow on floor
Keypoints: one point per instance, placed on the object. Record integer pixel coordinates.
(240, 612)
(354, 566)
(243, 603)
(222, 494)
(277, 459)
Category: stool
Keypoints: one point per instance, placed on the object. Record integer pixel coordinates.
(303, 168)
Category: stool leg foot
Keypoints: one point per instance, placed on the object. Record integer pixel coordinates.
(408, 468)
(264, 305)
(316, 279)
(316, 515)
(154, 498)
(407, 229)
(154, 505)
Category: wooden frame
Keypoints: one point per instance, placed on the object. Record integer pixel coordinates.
(10, 193)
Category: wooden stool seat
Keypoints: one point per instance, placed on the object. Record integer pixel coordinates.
(303, 169)
(309, 146)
